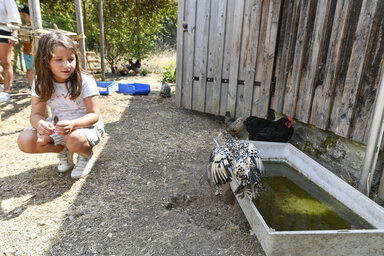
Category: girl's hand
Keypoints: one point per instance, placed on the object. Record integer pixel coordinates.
(64, 127)
(45, 128)
(13, 41)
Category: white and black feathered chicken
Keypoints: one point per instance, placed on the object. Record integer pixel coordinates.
(239, 159)
(165, 90)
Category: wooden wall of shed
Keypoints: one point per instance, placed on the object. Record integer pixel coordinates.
(226, 52)
(328, 63)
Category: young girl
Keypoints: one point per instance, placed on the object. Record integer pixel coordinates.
(76, 125)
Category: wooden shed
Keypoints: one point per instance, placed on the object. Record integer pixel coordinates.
(317, 61)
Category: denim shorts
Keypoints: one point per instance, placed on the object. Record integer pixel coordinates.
(28, 61)
(4, 33)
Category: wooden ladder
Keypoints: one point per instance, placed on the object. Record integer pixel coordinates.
(93, 65)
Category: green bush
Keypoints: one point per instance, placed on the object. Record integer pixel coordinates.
(144, 72)
(169, 72)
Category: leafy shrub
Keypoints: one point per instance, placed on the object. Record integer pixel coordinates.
(144, 72)
(169, 72)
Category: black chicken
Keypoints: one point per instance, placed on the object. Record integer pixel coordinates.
(267, 130)
(239, 159)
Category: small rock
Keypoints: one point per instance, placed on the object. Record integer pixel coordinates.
(41, 223)
(18, 210)
(33, 235)
(10, 252)
(76, 213)
(110, 235)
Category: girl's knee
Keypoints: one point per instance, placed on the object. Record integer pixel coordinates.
(24, 142)
(75, 141)
(6, 65)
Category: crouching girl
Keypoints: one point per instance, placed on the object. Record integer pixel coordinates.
(76, 124)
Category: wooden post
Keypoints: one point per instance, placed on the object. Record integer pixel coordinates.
(36, 23)
(101, 21)
(34, 11)
(80, 31)
(374, 141)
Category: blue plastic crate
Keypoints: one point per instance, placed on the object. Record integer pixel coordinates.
(134, 88)
(106, 87)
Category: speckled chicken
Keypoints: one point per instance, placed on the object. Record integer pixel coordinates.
(234, 158)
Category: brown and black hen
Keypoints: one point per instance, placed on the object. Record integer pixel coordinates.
(232, 125)
(267, 130)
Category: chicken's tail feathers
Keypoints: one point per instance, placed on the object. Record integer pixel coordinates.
(217, 141)
(208, 174)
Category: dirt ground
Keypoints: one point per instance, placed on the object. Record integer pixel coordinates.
(147, 193)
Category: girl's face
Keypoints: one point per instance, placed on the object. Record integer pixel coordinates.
(62, 63)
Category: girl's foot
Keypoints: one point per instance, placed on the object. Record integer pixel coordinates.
(65, 160)
(83, 166)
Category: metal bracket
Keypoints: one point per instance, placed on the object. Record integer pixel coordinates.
(195, 78)
(209, 79)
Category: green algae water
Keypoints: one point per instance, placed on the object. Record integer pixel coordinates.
(291, 202)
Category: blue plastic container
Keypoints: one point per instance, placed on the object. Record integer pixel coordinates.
(134, 88)
(106, 87)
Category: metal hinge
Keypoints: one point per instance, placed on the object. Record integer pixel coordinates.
(225, 80)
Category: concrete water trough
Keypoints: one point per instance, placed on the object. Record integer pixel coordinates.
(353, 241)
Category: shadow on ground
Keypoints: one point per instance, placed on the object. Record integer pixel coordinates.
(147, 194)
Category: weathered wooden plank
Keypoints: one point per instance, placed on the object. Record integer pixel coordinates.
(287, 41)
(343, 110)
(227, 55)
(324, 92)
(179, 52)
(366, 99)
(294, 74)
(261, 65)
(188, 52)
(248, 58)
(273, 27)
(310, 70)
(235, 56)
(251, 53)
(215, 56)
(264, 72)
(201, 54)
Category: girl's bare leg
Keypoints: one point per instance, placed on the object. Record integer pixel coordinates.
(29, 142)
(6, 62)
(78, 143)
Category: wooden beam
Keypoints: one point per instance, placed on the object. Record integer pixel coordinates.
(80, 33)
(101, 21)
(180, 54)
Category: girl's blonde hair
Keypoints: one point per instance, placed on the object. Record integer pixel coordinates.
(44, 76)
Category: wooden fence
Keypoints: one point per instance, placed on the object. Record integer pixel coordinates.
(318, 61)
